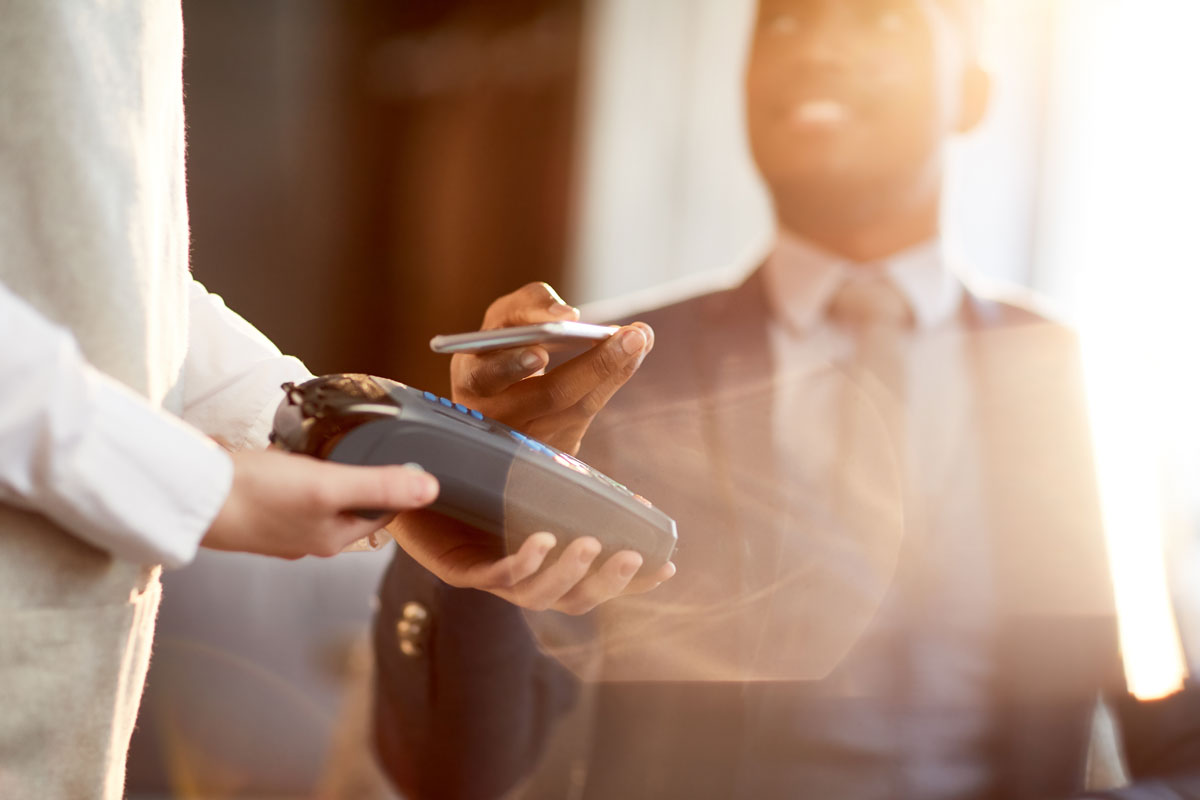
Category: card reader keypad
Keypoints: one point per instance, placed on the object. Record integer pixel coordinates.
(446, 402)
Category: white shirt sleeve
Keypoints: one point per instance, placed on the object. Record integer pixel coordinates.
(232, 374)
(85, 451)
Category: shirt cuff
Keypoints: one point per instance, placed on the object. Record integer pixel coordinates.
(136, 481)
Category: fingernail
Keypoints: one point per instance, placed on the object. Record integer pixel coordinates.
(426, 488)
(429, 489)
(633, 341)
(627, 570)
(530, 360)
(562, 310)
(646, 329)
(588, 554)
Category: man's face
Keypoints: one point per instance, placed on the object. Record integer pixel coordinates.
(852, 100)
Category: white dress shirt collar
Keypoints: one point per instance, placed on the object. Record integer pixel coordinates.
(802, 279)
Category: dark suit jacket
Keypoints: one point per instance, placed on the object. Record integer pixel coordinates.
(712, 687)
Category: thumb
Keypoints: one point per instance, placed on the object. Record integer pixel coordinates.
(384, 488)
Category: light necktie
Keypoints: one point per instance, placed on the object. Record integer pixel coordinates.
(868, 298)
(878, 318)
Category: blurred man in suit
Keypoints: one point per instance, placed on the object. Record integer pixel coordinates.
(892, 576)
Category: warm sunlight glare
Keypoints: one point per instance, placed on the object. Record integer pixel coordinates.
(1128, 469)
(1132, 128)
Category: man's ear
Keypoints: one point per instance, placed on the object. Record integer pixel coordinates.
(976, 95)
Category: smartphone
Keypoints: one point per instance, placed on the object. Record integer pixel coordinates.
(542, 333)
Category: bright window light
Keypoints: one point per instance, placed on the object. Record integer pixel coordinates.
(1123, 178)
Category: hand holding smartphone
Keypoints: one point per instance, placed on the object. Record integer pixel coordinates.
(542, 333)
(506, 372)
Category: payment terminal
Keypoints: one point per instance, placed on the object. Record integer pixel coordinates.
(492, 476)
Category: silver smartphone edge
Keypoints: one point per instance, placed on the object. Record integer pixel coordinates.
(545, 332)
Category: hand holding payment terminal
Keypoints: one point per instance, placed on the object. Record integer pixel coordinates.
(492, 477)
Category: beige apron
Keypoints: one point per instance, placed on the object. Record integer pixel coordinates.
(93, 233)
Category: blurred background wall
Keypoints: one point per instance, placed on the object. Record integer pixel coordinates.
(364, 174)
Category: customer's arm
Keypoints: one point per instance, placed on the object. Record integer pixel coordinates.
(465, 702)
